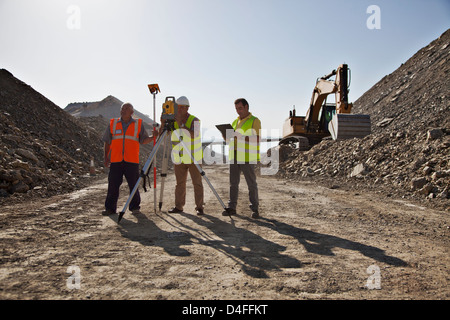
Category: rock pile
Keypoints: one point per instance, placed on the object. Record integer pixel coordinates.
(108, 108)
(407, 153)
(43, 150)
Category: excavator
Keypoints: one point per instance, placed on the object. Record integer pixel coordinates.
(324, 119)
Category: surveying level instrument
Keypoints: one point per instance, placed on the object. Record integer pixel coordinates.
(169, 111)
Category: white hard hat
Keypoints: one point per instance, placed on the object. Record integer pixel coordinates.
(183, 101)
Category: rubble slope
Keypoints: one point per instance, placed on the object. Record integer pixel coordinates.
(43, 149)
(407, 153)
(108, 108)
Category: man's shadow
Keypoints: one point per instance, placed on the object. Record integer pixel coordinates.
(255, 254)
(252, 252)
(148, 233)
(323, 244)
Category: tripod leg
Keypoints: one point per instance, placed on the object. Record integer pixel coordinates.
(143, 173)
(165, 161)
(199, 168)
(211, 187)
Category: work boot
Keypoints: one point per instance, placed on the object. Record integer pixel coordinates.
(199, 211)
(229, 212)
(136, 211)
(255, 214)
(175, 210)
(108, 212)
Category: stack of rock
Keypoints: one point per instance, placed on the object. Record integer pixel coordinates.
(43, 150)
(408, 150)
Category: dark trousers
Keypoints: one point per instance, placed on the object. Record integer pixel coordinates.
(116, 172)
(250, 177)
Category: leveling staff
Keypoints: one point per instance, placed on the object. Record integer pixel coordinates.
(182, 161)
(122, 139)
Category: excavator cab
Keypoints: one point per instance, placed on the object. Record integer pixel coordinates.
(327, 113)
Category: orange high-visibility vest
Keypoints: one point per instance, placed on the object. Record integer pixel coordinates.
(125, 147)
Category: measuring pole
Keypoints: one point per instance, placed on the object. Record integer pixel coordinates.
(154, 89)
(154, 161)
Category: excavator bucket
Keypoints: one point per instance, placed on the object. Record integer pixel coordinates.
(347, 126)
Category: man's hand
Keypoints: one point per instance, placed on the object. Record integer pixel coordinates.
(106, 162)
(155, 132)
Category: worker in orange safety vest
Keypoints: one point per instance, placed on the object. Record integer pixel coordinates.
(122, 139)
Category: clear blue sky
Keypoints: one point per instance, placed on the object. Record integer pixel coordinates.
(212, 51)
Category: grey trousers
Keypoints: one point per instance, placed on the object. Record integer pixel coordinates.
(250, 177)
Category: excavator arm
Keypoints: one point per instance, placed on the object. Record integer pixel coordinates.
(323, 119)
(322, 89)
(325, 87)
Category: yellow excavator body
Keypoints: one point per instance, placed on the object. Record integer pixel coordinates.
(324, 119)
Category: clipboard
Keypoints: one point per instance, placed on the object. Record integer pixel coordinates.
(223, 129)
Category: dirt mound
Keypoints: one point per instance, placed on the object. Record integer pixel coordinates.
(407, 153)
(108, 108)
(43, 150)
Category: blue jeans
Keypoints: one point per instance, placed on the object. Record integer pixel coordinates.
(116, 172)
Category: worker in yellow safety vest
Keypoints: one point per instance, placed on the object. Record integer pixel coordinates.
(187, 127)
(244, 155)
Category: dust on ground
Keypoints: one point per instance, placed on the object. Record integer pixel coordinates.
(311, 242)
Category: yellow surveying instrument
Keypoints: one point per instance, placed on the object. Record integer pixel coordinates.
(169, 111)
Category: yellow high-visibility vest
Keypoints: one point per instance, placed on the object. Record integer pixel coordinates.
(247, 150)
(193, 144)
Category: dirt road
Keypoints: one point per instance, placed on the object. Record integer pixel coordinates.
(311, 243)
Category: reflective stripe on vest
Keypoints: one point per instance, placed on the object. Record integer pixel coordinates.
(125, 146)
(194, 144)
(247, 150)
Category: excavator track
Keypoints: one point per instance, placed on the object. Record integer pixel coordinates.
(303, 142)
(348, 126)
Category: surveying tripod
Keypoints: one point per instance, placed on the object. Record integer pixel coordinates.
(164, 136)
